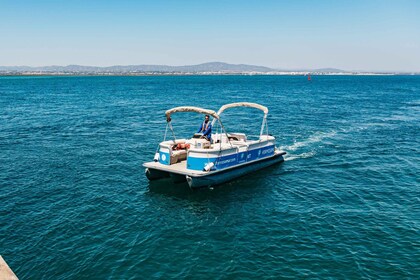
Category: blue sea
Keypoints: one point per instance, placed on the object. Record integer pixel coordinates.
(75, 203)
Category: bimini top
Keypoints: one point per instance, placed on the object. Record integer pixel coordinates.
(191, 109)
(243, 104)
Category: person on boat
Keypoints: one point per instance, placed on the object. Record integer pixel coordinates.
(205, 128)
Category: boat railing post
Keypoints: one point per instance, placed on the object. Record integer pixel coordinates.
(227, 136)
(173, 133)
(262, 125)
(266, 125)
(166, 131)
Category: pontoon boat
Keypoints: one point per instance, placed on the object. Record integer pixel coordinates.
(226, 156)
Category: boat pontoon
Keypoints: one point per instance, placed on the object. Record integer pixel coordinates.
(226, 156)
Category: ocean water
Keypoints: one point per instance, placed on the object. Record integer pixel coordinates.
(75, 204)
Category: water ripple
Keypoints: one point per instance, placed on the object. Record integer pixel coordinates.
(74, 202)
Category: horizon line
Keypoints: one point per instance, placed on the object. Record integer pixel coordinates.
(300, 69)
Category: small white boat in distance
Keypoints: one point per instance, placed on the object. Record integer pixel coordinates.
(227, 156)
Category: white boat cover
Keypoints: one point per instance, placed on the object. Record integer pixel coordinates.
(191, 109)
(243, 104)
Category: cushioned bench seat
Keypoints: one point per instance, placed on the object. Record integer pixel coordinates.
(178, 156)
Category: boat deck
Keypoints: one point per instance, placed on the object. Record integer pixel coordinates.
(178, 168)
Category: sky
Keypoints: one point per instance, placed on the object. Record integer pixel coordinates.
(350, 35)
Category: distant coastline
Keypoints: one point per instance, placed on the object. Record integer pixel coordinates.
(210, 68)
(23, 74)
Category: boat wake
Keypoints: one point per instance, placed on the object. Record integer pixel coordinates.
(317, 137)
(298, 145)
(288, 157)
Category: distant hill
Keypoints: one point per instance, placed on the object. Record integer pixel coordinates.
(205, 67)
(209, 68)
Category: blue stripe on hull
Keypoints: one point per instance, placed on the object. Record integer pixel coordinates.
(230, 174)
(195, 163)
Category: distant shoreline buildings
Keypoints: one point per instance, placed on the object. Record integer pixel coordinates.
(211, 68)
(2, 73)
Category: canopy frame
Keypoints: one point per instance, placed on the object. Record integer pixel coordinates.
(190, 109)
(243, 104)
(196, 110)
(247, 104)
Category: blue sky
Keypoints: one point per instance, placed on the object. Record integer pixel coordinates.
(351, 35)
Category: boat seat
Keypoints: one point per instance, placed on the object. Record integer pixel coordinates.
(178, 156)
(237, 137)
